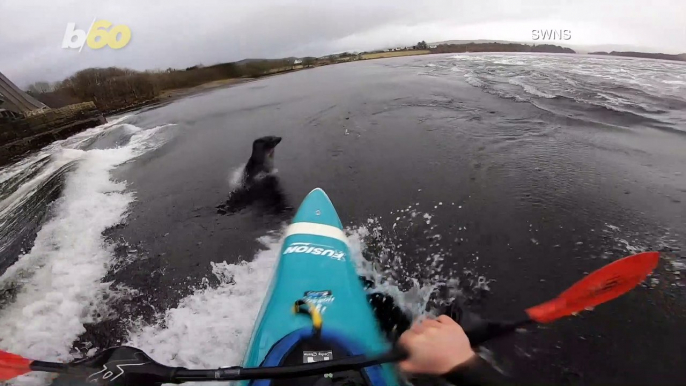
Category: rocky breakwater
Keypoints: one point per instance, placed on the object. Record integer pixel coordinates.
(23, 135)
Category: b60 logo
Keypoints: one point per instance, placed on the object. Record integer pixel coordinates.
(100, 34)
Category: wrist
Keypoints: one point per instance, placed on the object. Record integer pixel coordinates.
(459, 362)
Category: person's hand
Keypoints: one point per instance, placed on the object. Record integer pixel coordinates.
(435, 346)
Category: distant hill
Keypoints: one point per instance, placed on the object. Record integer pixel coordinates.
(585, 49)
(247, 61)
(648, 55)
(479, 41)
(579, 49)
(500, 47)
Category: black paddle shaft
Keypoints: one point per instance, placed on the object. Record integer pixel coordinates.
(291, 371)
(489, 330)
(123, 366)
(130, 366)
(480, 330)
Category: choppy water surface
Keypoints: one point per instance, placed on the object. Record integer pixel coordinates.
(503, 178)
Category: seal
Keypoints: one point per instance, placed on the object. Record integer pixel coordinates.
(262, 158)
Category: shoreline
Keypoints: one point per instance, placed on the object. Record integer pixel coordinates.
(171, 95)
(18, 150)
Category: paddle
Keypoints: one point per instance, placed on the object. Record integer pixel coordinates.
(128, 365)
(600, 286)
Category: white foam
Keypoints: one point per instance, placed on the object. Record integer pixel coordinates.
(58, 155)
(612, 227)
(212, 327)
(413, 300)
(10, 171)
(236, 178)
(27, 189)
(547, 76)
(678, 265)
(473, 79)
(530, 89)
(629, 247)
(58, 282)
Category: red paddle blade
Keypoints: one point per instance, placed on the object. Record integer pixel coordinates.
(12, 365)
(607, 283)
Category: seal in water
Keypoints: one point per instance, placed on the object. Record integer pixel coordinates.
(262, 158)
(258, 188)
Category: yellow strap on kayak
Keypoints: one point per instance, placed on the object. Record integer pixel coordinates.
(312, 310)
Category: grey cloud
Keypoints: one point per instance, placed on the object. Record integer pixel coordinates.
(180, 33)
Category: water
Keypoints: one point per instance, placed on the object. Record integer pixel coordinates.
(499, 178)
(650, 93)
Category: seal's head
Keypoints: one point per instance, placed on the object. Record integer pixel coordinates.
(262, 158)
(264, 147)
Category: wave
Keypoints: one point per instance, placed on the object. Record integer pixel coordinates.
(29, 186)
(473, 79)
(50, 292)
(212, 327)
(643, 91)
(530, 89)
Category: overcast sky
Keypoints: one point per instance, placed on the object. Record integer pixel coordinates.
(182, 33)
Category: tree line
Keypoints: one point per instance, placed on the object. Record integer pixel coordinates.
(115, 88)
(500, 47)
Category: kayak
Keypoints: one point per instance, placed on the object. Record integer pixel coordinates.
(316, 308)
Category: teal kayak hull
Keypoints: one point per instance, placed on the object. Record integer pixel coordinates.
(315, 265)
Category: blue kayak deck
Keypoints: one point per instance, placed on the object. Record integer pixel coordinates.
(315, 265)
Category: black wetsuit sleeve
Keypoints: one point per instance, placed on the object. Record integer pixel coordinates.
(475, 372)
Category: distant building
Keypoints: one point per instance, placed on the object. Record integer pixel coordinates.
(15, 100)
(297, 61)
(433, 46)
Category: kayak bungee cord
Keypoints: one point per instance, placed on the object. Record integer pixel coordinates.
(312, 310)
